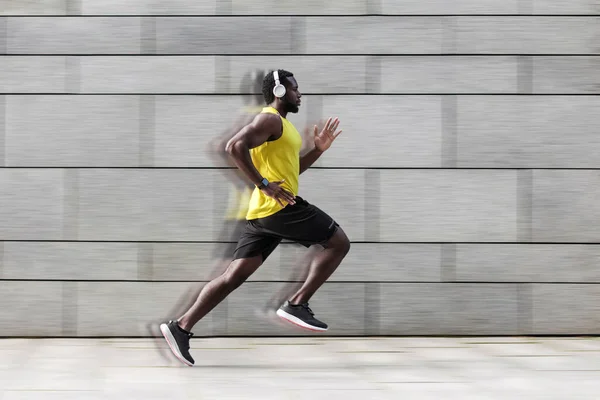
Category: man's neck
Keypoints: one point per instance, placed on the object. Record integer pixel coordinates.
(279, 109)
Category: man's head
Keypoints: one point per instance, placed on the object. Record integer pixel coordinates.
(291, 100)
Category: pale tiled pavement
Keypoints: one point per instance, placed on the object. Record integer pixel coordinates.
(309, 368)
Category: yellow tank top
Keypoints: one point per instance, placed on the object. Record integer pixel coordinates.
(276, 160)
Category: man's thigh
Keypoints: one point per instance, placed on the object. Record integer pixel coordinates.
(303, 223)
(253, 242)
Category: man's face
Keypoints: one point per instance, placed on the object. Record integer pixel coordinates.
(292, 95)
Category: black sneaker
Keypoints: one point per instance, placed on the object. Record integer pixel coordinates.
(179, 341)
(302, 316)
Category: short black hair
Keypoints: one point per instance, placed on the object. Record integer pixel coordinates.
(269, 83)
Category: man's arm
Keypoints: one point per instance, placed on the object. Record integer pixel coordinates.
(309, 159)
(322, 142)
(261, 129)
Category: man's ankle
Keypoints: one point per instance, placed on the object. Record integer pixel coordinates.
(181, 324)
(295, 301)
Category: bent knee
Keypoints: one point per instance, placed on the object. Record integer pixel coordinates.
(339, 241)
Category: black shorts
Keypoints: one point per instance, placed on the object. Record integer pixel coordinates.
(302, 223)
(230, 233)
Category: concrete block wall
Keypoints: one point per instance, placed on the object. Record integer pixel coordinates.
(467, 175)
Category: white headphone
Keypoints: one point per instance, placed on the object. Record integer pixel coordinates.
(279, 89)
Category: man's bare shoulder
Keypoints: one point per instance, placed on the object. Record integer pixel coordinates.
(267, 122)
(266, 119)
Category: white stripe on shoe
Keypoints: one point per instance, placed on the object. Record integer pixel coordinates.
(297, 321)
(173, 344)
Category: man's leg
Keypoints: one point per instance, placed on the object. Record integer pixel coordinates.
(177, 333)
(218, 289)
(322, 266)
(295, 280)
(324, 263)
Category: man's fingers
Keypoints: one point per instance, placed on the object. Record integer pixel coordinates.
(284, 198)
(335, 124)
(332, 128)
(337, 134)
(288, 196)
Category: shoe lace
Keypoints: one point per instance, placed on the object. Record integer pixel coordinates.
(307, 308)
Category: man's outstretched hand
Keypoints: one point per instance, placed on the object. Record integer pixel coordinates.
(328, 134)
(274, 190)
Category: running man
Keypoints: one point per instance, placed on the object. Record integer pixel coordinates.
(267, 152)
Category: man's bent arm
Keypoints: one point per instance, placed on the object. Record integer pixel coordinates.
(263, 127)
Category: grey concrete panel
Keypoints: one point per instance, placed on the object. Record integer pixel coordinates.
(566, 309)
(525, 74)
(540, 35)
(204, 261)
(524, 205)
(189, 128)
(2, 130)
(339, 193)
(31, 308)
(147, 7)
(412, 309)
(340, 305)
(528, 132)
(385, 131)
(33, 74)
(73, 7)
(313, 74)
(482, 309)
(448, 309)
(69, 35)
(147, 74)
(577, 75)
(445, 205)
(31, 204)
(72, 131)
(186, 125)
(559, 7)
(449, 7)
(125, 308)
(449, 131)
(381, 262)
(449, 74)
(308, 7)
(71, 261)
(222, 35)
(373, 35)
(372, 205)
(70, 203)
(528, 263)
(29, 7)
(565, 206)
(3, 34)
(172, 205)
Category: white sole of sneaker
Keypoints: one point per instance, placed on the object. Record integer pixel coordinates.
(166, 332)
(297, 321)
